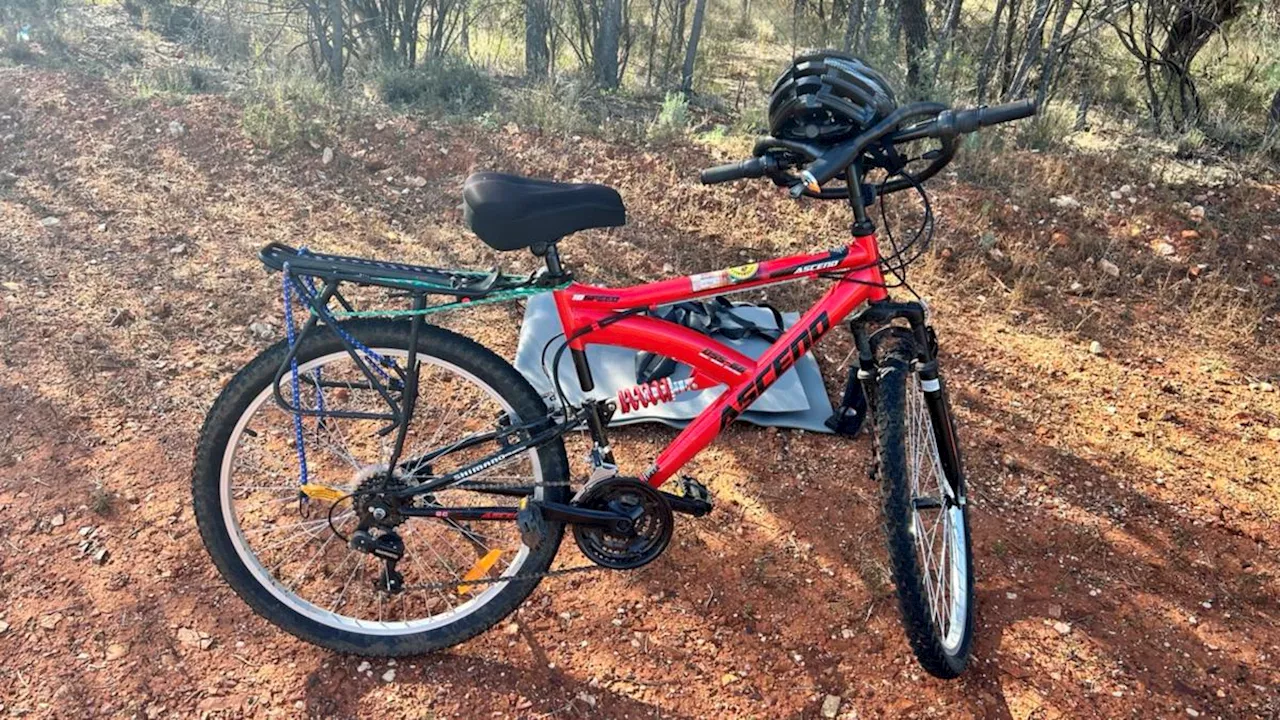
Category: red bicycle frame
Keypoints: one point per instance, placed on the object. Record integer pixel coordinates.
(588, 315)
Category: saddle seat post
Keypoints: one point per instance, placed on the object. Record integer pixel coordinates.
(551, 255)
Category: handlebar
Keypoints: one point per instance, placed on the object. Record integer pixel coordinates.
(827, 163)
(751, 168)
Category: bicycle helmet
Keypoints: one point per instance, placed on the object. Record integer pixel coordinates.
(828, 96)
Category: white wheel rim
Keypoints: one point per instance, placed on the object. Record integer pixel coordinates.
(939, 533)
(319, 614)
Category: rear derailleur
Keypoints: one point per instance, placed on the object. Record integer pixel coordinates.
(380, 511)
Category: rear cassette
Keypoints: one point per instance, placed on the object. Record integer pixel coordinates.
(647, 536)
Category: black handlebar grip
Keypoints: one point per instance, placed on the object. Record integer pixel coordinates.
(966, 121)
(752, 168)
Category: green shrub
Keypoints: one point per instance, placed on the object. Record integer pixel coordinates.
(449, 86)
(556, 106)
(1047, 130)
(284, 111)
(175, 80)
(672, 120)
(1189, 144)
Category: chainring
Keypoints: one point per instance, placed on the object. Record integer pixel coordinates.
(649, 535)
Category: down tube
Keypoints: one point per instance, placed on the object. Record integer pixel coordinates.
(831, 310)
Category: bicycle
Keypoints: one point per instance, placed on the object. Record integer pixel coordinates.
(431, 452)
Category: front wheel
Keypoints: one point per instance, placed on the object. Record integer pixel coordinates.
(925, 517)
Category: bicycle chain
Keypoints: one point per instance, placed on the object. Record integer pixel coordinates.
(518, 577)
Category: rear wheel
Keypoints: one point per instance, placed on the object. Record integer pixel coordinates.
(926, 521)
(285, 552)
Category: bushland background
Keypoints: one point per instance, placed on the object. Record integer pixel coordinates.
(1103, 278)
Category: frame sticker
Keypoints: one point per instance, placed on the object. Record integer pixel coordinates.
(742, 273)
(708, 280)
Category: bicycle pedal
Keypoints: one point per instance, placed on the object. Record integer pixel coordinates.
(694, 498)
(532, 526)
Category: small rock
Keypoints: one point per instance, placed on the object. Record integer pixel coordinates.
(115, 651)
(262, 330)
(1011, 596)
(830, 706)
(58, 520)
(1274, 434)
(1060, 239)
(121, 318)
(195, 638)
(1076, 288)
(415, 181)
(176, 129)
(327, 156)
(363, 667)
(512, 629)
(1062, 628)
(50, 621)
(1066, 202)
(1055, 611)
(1109, 268)
(101, 557)
(995, 254)
(178, 249)
(1095, 348)
(389, 675)
(587, 698)
(1163, 249)
(728, 679)
(4, 627)
(1117, 195)
(50, 221)
(1196, 213)
(1126, 189)
(1193, 712)
(1190, 234)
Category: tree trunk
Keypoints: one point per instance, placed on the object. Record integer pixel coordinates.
(851, 24)
(653, 41)
(1010, 34)
(1049, 67)
(1035, 37)
(1195, 24)
(915, 28)
(944, 37)
(987, 64)
(536, 53)
(337, 39)
(868, 25)
(691, 54)
(606, 45)
(677, 35)
(1273, 117)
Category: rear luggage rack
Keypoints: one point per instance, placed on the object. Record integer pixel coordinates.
(421, 279)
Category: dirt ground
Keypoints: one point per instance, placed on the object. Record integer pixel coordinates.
(1125, 496)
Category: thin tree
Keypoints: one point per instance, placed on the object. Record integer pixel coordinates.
(606, 45)
(537, 21)
(915, 30)
(691, 54)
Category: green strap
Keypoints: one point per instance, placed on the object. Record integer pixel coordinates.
(496, 297)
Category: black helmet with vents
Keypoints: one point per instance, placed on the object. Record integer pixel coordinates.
(828, 96)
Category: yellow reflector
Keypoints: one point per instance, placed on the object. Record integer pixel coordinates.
(320, 492)
(479, 570)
